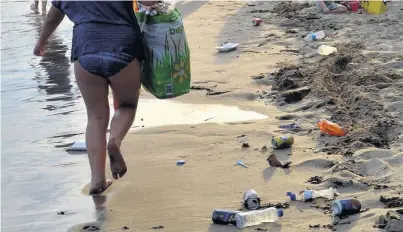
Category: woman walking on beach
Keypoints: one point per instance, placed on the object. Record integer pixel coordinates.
(106, 51)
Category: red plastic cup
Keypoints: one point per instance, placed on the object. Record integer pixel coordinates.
(354, 5)
(257, 21)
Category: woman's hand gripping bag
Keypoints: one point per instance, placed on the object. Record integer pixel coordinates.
(166, 69)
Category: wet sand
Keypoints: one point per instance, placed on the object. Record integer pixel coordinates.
(359, 86)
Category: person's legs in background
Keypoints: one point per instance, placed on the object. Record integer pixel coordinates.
(44, 3)
(35, 7)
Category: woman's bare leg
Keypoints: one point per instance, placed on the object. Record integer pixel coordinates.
(94, 90)
(126, 89)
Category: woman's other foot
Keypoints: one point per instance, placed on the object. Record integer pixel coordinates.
(100, 187)
(117, 163)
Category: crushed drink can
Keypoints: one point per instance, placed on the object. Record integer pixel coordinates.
(345, 207)
(292, 126)
(284, 141)
(256, 21)
(224, 217)
(251, 199)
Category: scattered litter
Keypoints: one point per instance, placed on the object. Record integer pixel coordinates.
(240, 163)
(291, 126)
(226, 47)
(315, 179)
(342, 208)
(392, 221)
(157, 227)
(258, 77)
(245, 145)
(78, 146)
(273, 161)
(337, 182)
(307, 195)
(180, 162)
(264, 149)
(224, 217)
(284, 141)
(326, 50)
(326, 208)
(391, 202)
(291, 31)
(315, 36)
(260, 229)
(279, 205)
(125, 228)
(354, 5)
(251, 199)
(330, 128)
(256, 217)
(241, 136)
(329, 226)
(380, 186)
(256, 21)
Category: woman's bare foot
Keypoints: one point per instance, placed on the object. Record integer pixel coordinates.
(34, 9)
(100, 188)
(117, 163)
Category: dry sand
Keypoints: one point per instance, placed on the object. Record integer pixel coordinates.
(360, 88)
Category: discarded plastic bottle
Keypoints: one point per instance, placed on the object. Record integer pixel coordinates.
(345, 207)
(330, 128)
(251, 199)
(256, 217)
(307, 195)
(292, 126)
(315, 36)
(224, 217)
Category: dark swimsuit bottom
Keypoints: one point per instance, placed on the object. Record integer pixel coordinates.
(105, 64)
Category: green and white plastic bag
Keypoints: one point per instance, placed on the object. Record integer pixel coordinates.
(166, 70)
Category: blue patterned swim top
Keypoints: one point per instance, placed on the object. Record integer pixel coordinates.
(102, 26)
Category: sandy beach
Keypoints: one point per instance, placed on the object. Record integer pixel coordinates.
(276, 73)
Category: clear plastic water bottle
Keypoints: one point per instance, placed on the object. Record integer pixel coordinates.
(307, 195)
(256, 217)
(315, 36)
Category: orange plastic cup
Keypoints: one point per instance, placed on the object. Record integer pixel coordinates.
(330, 128)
